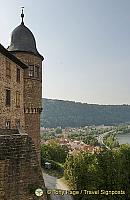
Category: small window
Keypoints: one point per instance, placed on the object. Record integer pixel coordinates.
(7, 124)
(36, 71)
(17, 123)
(18, 75)
(31, 71)
(8, 69)
(8, 98)
(18, 99)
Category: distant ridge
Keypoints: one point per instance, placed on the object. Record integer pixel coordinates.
(75, 114)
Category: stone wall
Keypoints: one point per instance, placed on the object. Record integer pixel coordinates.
(32, 97)
(11, 112)
(32, 127)
(20, 173)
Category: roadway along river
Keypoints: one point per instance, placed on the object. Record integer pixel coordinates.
(53, 183)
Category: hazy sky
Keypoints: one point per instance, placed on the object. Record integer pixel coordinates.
(85, 43)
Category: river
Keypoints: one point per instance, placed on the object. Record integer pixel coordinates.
(123, 138)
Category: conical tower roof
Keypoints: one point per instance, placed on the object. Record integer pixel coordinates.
(22, 40)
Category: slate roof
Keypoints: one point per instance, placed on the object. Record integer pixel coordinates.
(22, 40)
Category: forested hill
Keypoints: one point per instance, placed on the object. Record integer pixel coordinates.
(73, 114)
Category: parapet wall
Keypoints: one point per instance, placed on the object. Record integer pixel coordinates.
(20, 173)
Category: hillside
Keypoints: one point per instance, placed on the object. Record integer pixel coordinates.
(74, 114)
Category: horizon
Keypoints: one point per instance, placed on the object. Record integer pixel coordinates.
(86, 46)
(86, 102)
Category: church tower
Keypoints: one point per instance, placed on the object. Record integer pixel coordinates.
(23, 46)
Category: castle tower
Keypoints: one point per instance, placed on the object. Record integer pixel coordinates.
(23, 46)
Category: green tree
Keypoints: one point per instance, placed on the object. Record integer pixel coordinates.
(123, 163)
(90, 139)
(80, 170)
(54, 151)
(58, 130)
(109, 170)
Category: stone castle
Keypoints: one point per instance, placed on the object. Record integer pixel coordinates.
(20, 108)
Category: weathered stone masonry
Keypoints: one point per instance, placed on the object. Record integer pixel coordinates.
(32, 97)
(11, 112)
(20, 173)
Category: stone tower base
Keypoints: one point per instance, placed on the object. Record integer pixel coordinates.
(20, 173)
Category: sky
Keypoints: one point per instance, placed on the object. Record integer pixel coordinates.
(85, 43)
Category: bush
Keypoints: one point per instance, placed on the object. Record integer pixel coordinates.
(54, 151)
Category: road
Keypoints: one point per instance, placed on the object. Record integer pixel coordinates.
(100, 139)
(53, 183)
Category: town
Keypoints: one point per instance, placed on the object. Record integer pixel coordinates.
(82, 139)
